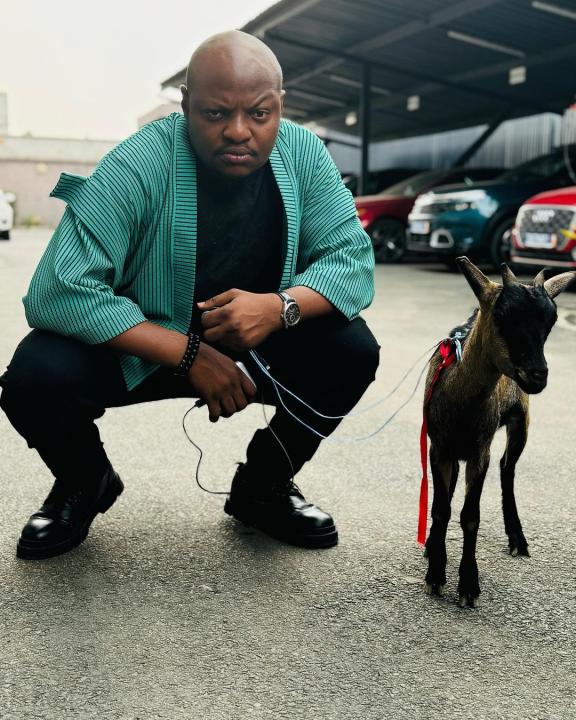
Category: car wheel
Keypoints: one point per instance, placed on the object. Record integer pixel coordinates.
(501, 244)
(5, 235)
(388, 240)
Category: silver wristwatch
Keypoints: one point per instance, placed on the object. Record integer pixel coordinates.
(290, 310)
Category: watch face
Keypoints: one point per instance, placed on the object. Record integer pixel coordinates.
(292, 314)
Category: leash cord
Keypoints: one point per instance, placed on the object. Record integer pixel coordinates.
(276, 384)
(260, 362)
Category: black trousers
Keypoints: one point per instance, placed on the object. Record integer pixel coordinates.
(55, 387)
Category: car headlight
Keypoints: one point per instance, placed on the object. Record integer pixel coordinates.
(473, 200)
(425, 199)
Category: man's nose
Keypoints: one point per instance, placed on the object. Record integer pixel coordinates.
(237, 130)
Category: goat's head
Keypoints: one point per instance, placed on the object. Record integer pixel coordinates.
(517, 319)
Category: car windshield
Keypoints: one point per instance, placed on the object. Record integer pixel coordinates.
(541, 167)
(415, 184)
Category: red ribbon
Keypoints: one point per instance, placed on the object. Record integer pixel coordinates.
(448, 354)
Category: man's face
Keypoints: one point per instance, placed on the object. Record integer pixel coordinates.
(233, 115)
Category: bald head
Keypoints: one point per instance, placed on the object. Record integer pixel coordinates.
(232, 102)
(238, 54)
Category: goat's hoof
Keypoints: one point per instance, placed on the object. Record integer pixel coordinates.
(469, 601)
(519, 551)
(434, 589)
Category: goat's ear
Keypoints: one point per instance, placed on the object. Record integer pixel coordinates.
(557, 284)
(508, 277)
(481, 286)
(540, 279)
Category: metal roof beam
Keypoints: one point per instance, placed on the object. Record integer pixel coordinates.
(277, 14)
(449, 14)
(477, 144)
(454, 82)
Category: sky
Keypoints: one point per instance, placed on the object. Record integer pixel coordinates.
(78, 69)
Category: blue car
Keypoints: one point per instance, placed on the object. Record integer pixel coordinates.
(477, 220)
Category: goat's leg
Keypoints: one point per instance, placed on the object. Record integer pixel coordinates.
(436, 543)
(454, 478)
(517, 434)
(469, 586)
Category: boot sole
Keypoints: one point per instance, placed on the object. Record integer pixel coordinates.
(323, 538)
(27, 550)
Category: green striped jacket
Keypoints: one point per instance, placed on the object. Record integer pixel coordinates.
(125, 249)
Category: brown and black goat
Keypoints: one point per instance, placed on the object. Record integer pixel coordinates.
(502, 363)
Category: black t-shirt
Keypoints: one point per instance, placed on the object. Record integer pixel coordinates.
(239, 235)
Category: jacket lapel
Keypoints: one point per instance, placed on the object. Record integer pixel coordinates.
(284, 174)
(184, 224)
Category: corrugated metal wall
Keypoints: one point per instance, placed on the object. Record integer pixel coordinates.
(514, 142)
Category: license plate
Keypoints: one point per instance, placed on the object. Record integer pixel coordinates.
(539, 240)
(420, 227)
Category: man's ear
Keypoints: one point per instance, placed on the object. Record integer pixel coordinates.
(185, 99)
(282, 96)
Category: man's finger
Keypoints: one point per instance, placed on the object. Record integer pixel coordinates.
(214, 410)
(211, 318)
(228, 406)
(219, 300)
(248, 387)
(214, 335)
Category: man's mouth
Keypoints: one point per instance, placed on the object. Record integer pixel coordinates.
(236, 155)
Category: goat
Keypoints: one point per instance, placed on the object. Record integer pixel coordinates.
(502, 363)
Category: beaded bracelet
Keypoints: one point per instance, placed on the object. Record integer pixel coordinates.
(189, 355)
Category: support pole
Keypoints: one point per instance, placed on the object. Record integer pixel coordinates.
(477, 144)
(365, 111)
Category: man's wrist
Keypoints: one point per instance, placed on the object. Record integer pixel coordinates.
(276, 306)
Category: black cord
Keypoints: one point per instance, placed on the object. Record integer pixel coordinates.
(212, 492)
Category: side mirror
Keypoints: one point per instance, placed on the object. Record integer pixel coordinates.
(10, 197)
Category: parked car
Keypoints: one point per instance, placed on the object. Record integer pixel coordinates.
(379, 180)
(384, 216)
(545, 230)
(6, 214)
(478, 221)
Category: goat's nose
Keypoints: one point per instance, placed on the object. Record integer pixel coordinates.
(539, 376)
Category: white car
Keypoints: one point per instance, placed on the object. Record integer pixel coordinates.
(6, 214)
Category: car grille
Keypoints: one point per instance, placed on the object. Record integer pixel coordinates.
(418, 242)
(537, 219)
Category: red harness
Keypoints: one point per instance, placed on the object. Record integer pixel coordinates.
(448, 353)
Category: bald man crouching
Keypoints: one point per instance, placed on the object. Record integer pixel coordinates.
(197, 239)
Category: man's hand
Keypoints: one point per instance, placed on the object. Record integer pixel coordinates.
(220, 382)
(241, 320)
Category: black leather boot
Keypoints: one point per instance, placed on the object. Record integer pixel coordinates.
(280, 510)
(65, 517)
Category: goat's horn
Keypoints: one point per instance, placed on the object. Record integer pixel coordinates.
(508, 277)
(540, 279)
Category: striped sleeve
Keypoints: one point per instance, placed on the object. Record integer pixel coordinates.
(335, 255)
(71, 291)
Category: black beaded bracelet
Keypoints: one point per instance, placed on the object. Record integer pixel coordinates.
(189, 355)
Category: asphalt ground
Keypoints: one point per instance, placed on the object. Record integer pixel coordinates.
(171, 610)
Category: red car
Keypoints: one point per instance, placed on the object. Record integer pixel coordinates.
(384, 216)
(545, 230)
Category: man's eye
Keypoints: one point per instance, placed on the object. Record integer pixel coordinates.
(213, 114)
(260, 114)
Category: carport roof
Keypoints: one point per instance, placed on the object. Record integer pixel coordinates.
(455, 57)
